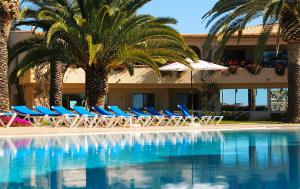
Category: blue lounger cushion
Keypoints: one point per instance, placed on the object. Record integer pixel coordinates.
(103, 111)
(47, 111)
(26, 111)
(64, 111)
(153, 111)
(82, 111)
(170, 114)
(118, 111)
(139, 112)
(184, 110)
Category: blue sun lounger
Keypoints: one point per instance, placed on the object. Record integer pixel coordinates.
(174, 119)
(110, 120)
(157, 117)
(141, 117)
(35, 117)
(125, 119)
(203, 119)
(75, 122)
(89, 119)
(56, 119)
(189, 117)
(12, 117)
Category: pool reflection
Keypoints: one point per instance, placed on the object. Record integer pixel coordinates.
(165, 160)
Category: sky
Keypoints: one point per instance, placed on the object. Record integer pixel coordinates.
(187, 12)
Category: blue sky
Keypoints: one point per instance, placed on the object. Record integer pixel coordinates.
(187, 12)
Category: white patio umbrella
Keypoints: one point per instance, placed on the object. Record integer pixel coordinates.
(199, 65)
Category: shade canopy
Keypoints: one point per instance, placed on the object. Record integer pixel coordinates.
(195, 65)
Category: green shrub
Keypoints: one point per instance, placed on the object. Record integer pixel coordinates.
(237, 116)
(230, 115)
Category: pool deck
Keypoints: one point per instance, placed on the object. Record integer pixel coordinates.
(46, 131)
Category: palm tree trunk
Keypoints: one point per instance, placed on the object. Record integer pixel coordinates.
(96, 86)
(9, 10)
(56, 84)
(251, 99)
(5, 26)
(293, 113)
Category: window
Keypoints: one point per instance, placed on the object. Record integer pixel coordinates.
(234, 55)
(270, 59)
(234, 99)
(141, 100)
(186, 99)
(196, 50)
(261, 100)
(71, 100)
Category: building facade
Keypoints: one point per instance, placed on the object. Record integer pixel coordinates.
(210, 89)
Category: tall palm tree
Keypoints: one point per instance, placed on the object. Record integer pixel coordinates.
(50, 55)
(9, 10)
(38, 53)
(103, 35)
(229, 17)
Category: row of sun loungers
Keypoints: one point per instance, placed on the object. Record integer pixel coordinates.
(101, 117)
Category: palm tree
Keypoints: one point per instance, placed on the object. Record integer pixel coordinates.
(9, 10)
(229, 17)
(39, 54)
(104, 35)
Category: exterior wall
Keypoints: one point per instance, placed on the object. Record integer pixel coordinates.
(123, 96)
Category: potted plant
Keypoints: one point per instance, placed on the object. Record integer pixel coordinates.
(254, 68)
(279, 69)
(232, 66)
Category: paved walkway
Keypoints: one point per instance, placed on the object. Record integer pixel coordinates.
(38, 131)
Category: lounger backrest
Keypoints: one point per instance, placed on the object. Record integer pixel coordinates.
(183, 109)
(46, 111)
(82, 111)
(138, 112)
(153, 111)
(118, 111)
(168, 112)
(62, 110)
(102, 111)
(25, 110)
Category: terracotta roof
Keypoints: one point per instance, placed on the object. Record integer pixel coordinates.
(252, 31)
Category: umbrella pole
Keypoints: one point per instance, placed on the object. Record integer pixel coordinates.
(192, 96)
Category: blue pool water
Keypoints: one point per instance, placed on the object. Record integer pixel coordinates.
(218, 160)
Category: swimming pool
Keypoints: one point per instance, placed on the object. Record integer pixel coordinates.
(255, 159)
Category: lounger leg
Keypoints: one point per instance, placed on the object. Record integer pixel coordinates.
(208, 119)
(169, 122)
(178, 122)
(12, 118)
(148, 120)
(184, 122)
(110, 122)
(220, 119)
(56, 121)
(36, 121)
(98, 121)
(159, 121)
(115, 122)
(1, 122)
(79, 122)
